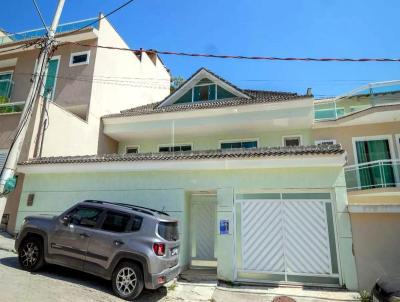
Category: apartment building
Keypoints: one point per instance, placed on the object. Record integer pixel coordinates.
(366, 122)
(256, 198)
(82, 84)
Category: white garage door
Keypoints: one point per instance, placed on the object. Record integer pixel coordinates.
(285, 236)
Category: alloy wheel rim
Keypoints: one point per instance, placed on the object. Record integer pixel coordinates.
(30, 254)
(126, 281)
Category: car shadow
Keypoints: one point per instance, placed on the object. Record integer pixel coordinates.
(82, 279)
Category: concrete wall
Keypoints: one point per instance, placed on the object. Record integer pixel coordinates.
(8, 124)
(265, 139)
(131, 81)
(344, 135)
(168, 190)
(376, 246)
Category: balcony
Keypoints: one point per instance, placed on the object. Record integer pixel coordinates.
(369, 96)
(38, 33)
(373, 175)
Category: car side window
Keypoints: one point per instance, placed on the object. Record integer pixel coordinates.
(86, 217)
(115, 222)
(136, 223)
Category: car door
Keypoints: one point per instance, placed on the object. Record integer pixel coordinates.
(110, 238)
(68, 243)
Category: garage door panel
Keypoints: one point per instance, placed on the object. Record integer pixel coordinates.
(285, 236)
(262, 241)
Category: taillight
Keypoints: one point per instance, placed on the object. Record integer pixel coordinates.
(159, 249)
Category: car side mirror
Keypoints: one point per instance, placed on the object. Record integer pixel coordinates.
(66, 220)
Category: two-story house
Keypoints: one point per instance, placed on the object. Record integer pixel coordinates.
(82, 84)
(366, 122)
(255, 197)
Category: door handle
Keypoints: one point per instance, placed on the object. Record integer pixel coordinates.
(84, 235)
(118, 242)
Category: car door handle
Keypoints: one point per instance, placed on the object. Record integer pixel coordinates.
(118, 242)
(84, 235)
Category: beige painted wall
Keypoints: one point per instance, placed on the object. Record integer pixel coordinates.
(376, 246)
(344, 135)
(135, 82)
(8, 124)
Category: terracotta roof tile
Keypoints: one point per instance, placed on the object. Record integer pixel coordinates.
(192, 155)
(254, 97)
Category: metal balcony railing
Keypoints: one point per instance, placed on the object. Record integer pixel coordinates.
(371, 95)
(371, 175)
(41, 32)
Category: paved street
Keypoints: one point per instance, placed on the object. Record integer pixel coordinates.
(60, 284)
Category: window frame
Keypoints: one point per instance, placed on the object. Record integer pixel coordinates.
(127, 226)
(240, 140)
(299, 136)
(321, 141)
(73, 54)
(132, 146)
(58, 57)
(387, 137)
(175, 145)
(397, 138)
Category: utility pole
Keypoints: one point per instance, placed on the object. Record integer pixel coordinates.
(31, 100)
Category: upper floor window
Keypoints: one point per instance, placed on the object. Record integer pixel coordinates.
(79, 58)
(176, 148)
(291, 141)
(132, 149)
(325, 142)
(239, 144)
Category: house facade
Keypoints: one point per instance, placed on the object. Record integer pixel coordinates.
(366, 122)
(82, 84)
(255, 197)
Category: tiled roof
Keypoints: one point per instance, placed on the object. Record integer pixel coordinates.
(254, 97)
(192, 155)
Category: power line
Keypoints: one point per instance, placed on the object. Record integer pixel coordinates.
(259, 58)
(105, 16)
(40, 15)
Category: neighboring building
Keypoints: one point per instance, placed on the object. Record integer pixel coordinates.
(82, 85)
(238, 167)
(366, 122)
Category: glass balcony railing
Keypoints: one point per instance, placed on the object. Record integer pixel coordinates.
(372, 95)
(6, 106)
(372, 175)
(37, 33)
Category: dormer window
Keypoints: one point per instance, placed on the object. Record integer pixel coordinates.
(205, 90)
(204, 93)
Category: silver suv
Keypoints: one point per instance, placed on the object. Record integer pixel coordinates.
(134, 247)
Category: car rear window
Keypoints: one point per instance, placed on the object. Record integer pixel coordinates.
(168, 230)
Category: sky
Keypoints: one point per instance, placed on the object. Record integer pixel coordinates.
(284, 28)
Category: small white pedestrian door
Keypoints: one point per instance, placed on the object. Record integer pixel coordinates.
(203, 222)
(286, 237)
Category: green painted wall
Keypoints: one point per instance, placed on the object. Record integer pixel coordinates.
(266, 139)
(170, 191)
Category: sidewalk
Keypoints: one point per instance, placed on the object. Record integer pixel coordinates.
(267, 294)
(6, 242)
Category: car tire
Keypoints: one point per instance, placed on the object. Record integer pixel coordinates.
(31, 254)
(127, 281)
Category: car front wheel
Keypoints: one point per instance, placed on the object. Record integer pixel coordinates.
(127, 281)
(30, 254)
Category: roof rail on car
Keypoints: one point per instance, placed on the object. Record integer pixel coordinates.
(145, 210)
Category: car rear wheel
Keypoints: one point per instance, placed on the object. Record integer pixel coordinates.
(30, 254)
(127, 281)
